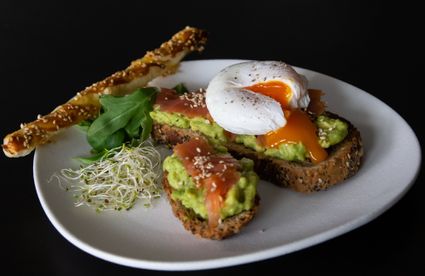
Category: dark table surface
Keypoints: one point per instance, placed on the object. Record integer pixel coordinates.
(49, 51)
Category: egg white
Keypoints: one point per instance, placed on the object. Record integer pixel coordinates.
(241, 111)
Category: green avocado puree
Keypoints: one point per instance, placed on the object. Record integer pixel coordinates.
(330, 132)
(238, 199)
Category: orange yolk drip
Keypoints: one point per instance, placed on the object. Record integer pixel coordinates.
(316, 106)
(298, 128)
(274, 89)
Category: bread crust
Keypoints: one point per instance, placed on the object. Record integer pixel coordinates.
(199, 227)
(85, 105)
(344, 160)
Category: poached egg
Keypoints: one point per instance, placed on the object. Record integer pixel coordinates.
(251, 97)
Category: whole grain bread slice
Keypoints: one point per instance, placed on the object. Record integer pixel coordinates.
(199, 227)
(344, 160)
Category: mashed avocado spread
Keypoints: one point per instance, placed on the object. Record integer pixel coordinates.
(238, 199)
(211, 130)
(330, 132)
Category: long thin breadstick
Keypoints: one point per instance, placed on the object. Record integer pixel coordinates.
(85, 105)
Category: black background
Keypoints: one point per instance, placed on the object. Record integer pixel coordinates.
(48, 51)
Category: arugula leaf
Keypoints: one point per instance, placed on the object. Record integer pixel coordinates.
(147, 124)
(147, 121)
(115, 139)
(109, 122)
(122, 118)
(109, 102)
(180, 88)
(133, 127)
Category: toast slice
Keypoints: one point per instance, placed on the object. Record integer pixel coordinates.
(344, 160)
(199, 227)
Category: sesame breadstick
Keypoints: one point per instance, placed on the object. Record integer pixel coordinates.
(85, 105)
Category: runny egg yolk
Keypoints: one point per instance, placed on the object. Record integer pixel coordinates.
(298, 128)
(274, 89)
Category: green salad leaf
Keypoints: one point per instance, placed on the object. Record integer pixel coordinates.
(123, 118)
(147, 124)
(108, 123)
(142, 114)
(114, 140)
(180, 88)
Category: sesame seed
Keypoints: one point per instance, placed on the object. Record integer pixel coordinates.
(214, 187)
(194, 99)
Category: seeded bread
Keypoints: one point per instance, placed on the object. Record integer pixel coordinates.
(200, 227)
(344, 160)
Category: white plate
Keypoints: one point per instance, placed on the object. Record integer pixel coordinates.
(287, 221)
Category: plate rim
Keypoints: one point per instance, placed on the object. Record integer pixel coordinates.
(263, 254)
